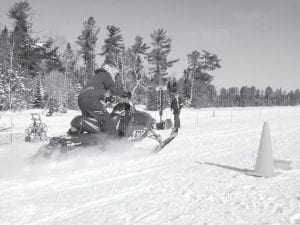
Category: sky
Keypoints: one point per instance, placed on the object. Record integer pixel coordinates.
(258, 41)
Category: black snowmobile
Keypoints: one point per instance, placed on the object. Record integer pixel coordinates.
(132, 126)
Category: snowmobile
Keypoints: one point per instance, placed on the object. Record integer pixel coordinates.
(132, 126)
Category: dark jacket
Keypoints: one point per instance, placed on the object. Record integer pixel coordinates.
(99, 84)
(176, 105)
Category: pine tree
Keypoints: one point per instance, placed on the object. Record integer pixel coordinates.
(199, 64)
(11, 79)
(233, 95)
(180, 84)
(139, 76)
(152, 100)
(297, 96)
(39, 96)
(6, 48)
(69, 61)
(258, 97)
(3, 91)
(139, 48)
(292, 98)
(224, 97)
(158, 60)
(253, 101)
(16, 91)
(245, 96)
(24, 52)
(25, 57)
(71, 82)
(113, 46)
(126, 69)
(185, 84)
(55, 89)
(5, 56)
(49, 56)
(268, 96)
(87, 42)
(262, 97)
(204, 95)
(73, 94)
(212, 95)
(278, 97)
(193, 68)
(158, 57)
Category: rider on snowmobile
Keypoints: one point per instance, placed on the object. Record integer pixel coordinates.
(95, 90)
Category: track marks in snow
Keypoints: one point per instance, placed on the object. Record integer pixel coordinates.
(85, 207)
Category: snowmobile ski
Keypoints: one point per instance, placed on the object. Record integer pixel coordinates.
(166, 141)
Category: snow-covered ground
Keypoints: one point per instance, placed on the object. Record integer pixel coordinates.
(199, 178)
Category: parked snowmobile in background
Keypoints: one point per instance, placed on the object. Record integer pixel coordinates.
(132, 126)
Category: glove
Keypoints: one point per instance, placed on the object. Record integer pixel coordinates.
(109, 99)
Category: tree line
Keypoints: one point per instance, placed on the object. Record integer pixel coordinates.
(247, 96)
(34, 73)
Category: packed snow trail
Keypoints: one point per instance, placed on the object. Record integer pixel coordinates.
(199, 178)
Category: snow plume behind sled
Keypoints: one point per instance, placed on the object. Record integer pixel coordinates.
(14, 158)
(15, 161)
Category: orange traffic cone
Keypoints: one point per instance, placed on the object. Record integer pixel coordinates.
(264, 166)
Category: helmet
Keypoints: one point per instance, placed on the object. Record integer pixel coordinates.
(111, 70)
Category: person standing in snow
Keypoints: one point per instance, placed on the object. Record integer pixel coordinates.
(95, 90)
(176, 106)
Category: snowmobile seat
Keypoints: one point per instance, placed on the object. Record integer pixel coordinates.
(85, 124)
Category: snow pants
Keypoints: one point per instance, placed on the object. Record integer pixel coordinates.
(90, 106)
(176, 120)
